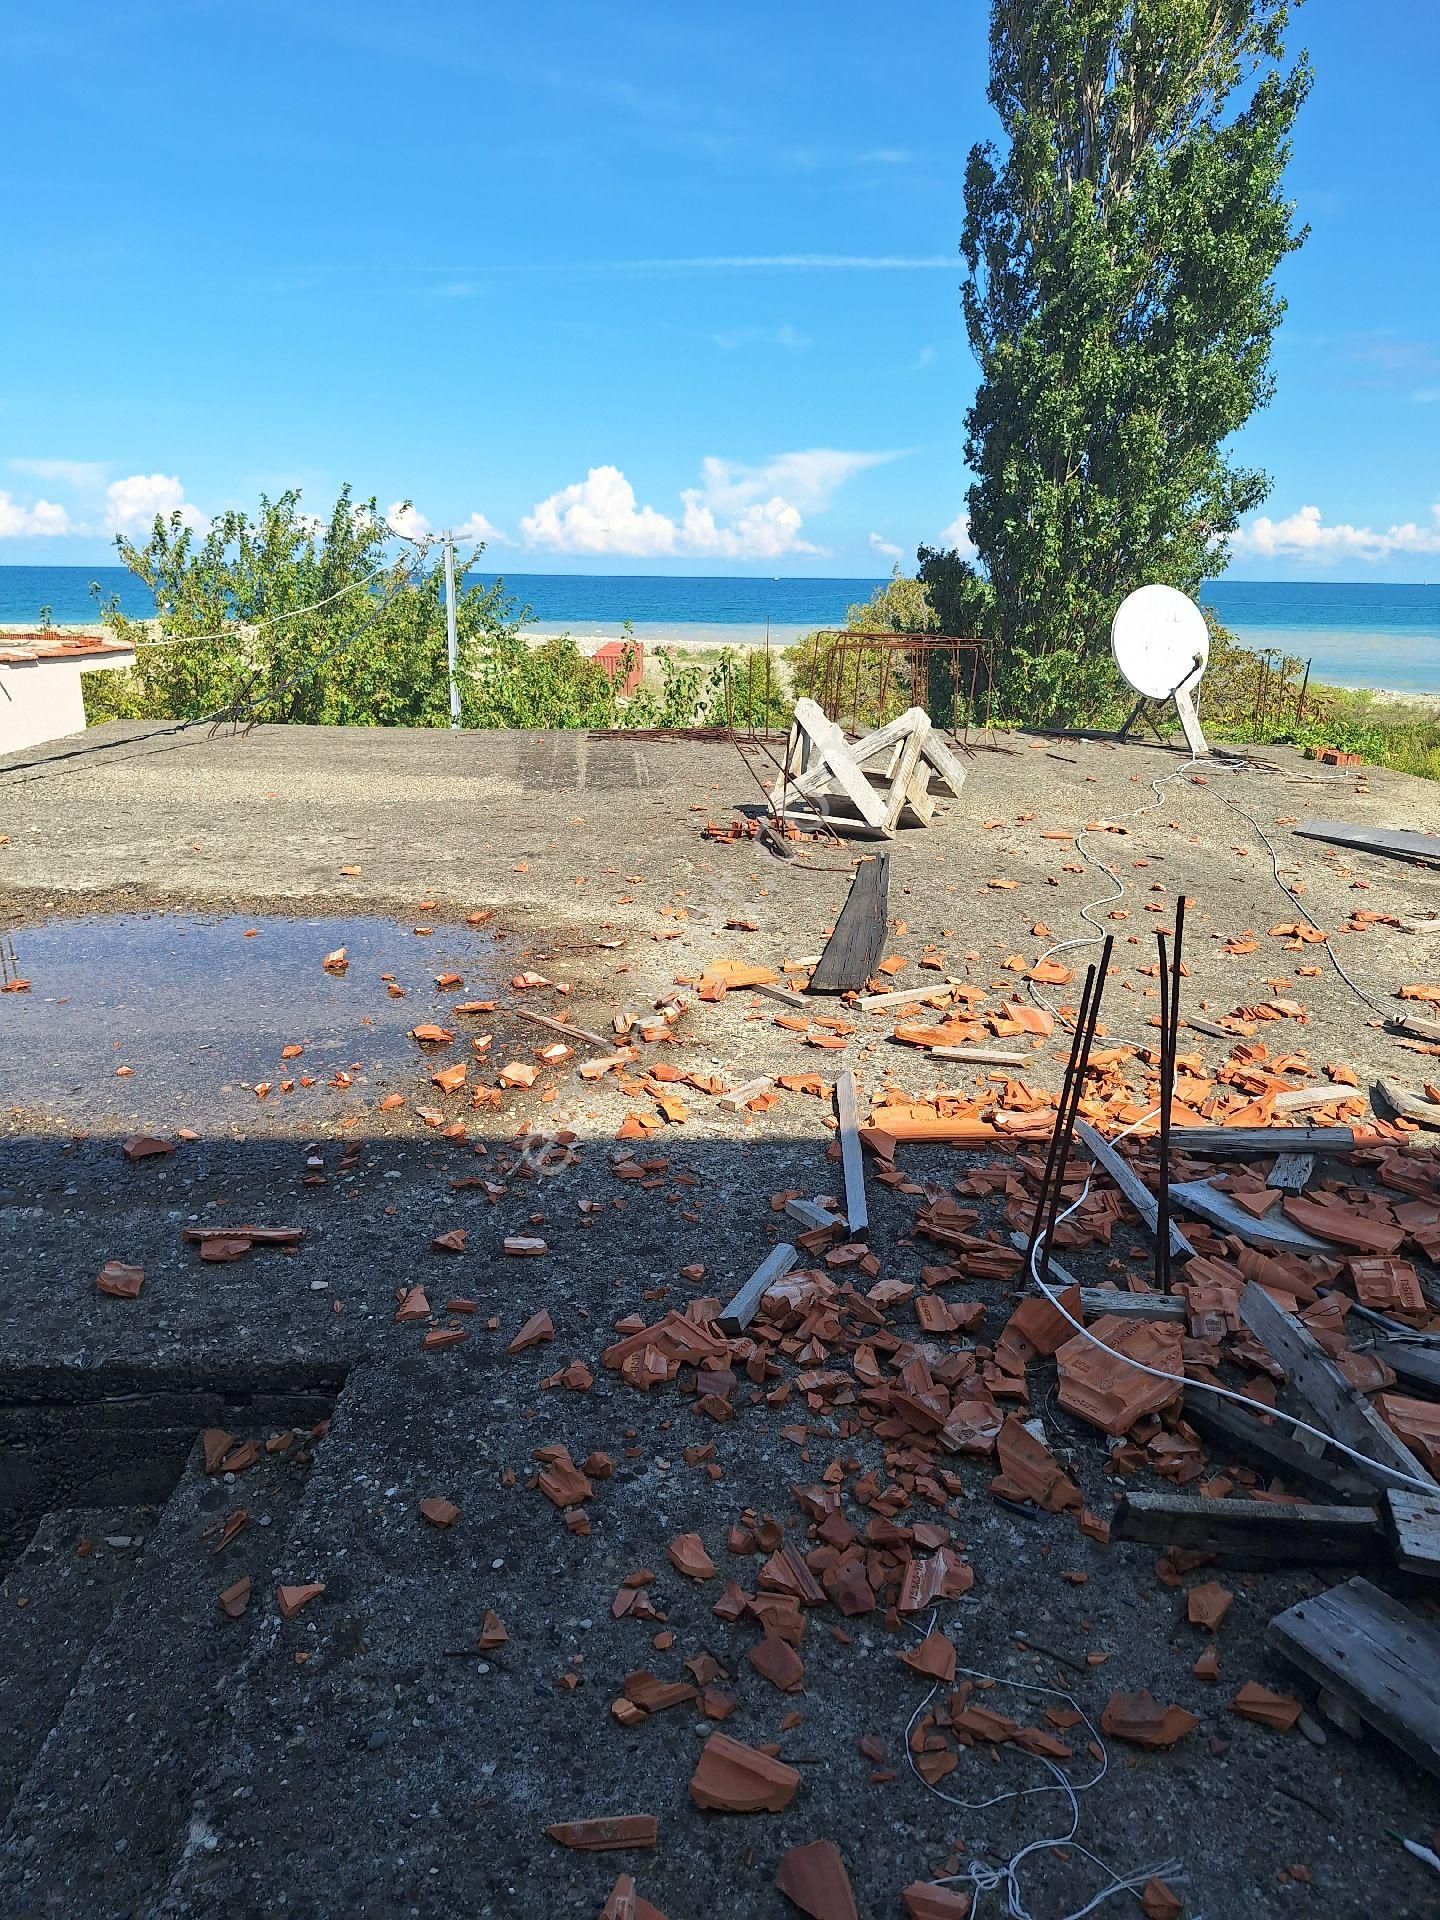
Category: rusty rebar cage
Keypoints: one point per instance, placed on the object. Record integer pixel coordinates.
(858, 678)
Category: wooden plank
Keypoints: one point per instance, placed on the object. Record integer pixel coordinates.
(1199, 1197)
(1245, 1143)
(738, 1314)
(1292, 1172)
(1340, 1409)
(784, 995)
(1415, 1025)
(904, 774)
(1409, 1106)
(857, 945)
(983, 1056)
(904, 997)
(562, 1027)
(847, 1108)
(740, 1097)
(1416, 1366)
(1376, 1656)
(833, 749)
(1252, 1533)
(1306, 1099)
(946, 764)
(1276, 1444)
(811, 1215)
(1095, 1301)
(1132, 1186)
(1414, 1520)
(1397, 844)
(889, 739)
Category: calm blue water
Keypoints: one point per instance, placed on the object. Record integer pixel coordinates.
(1354, 633)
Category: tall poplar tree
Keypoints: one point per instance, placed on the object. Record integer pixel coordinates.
(1120, 299)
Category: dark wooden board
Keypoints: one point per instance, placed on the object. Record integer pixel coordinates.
(1416, 1366)
(1276, 1445)
(857, 945)
(740, 1311)
(1247, 1143)
(1252, 1533)
(1397, 843)
(1378, 1657)
(1415, 1531)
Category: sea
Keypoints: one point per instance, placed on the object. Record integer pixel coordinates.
(1353, 633)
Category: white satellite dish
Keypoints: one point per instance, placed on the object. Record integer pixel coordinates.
(1162, 645)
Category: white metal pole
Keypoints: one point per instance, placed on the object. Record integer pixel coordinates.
(451, 644)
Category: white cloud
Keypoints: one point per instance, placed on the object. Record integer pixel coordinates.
(809, 479)
(957, 535)
(402, 518)
(132, 504)
(782, 336)
(887, 547)
(85, 475)
(598, 515)
(737, 512)
(1305, 533)
(43, 518)
(477, 527)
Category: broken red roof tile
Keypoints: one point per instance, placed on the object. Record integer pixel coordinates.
(121, 1282)
(734, 1778)
(443, 1337)
(538, 1328)
(925, 1901)
(1207, 1605)
(145, 1146)
(291, 1599)
(1278, 1711)
(414, 1305)
(932, 1659)
(215, 1443)
(1158, 1902)
(625, 1903)
(440, 1513)
(562, 1481)
(776, 1661)
(688, 1556)
(603, 1835)
(1029, 1472)
(1139, 1718)
(451, 1242)
(234, 1599)
(1102, 1388)
(814, 1879)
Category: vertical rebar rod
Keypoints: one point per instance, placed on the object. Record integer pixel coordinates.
(1043, 1198)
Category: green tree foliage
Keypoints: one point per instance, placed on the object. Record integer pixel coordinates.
(232, 631)
(1120, 300)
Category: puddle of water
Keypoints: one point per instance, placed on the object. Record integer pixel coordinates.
(200, 1010)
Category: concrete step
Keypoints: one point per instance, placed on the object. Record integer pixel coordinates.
(106, 1799)
(55, 1603)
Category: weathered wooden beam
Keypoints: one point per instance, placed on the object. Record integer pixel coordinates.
(1306, 1099)
(1095, 1301)
(831, 746)
(1377, 1656)
(1247, 1143)
(1414, 1520)
(740, 1311)
(847, 1109)
(811, 1215)
(1291, 1173)
(1275, 1444)
(1417, 1366)
(1339, 1408)
(1409, 1106)
(1132, 1186)
(904, 997)
(1253, 1533)
(856, 947)
(738, 1098)
(1397, 844)
(983, 1056)
(1210, 1203)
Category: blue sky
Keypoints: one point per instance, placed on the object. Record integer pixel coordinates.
(637, 289)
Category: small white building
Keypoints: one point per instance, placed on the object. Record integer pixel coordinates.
(40, 696)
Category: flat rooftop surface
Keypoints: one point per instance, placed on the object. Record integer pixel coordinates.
(172, 901)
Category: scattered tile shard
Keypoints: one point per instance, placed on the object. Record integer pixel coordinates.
(813, 1878)
(734, 1778)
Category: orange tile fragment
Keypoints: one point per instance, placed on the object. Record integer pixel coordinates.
(291, 1599)
(734, 1778)
(440, 1513)
(925, 1901)
(687, 1555)
(813, 1878)
(603, 1835)
(1206, 1606)
(1140, 1719)
(933, 1659)
(1278, 1711)
(538, 1328)
(234, 1599)
(121, 1282)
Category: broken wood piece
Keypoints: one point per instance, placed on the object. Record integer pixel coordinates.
(1415, 1025)
(561, 1027)
(1210, 1203)
(1397, 844)
(1275, 1443)
(743, 1307)
(1409, 1106)
(1252, 1533)
(1132, 1186)
(1414, 1520)
(1246, 1143)
(830, 745)
(811, 1215)
(1340, 1409)
(984, 1056)
(739, 1098)
(847, 1109)
(783, 994)
(904, 997)
(1304, 1099)
(1376, 1656)
(1411, 1363)
(1292, 1172)
(854, 949)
